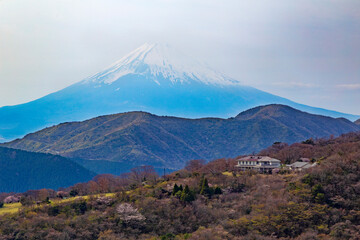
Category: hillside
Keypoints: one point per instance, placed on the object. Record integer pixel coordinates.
(208, 201)
(153, 78)
(138, 138)
(21, 171)
(357, 122)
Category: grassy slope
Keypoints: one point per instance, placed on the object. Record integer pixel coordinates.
(10, 208)
(15, 207)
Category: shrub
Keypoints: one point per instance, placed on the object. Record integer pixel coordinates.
(74, 192)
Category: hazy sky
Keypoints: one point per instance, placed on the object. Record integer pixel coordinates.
(304, 50)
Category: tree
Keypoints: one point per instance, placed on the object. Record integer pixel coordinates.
(318, 193)
(194, 165)
(143, 173)
(187, 195)
(128, 213)
(93, 187)
(205, 189)
(178, 192)
(104, 184)
(26, 201)
(42, 195)
(74, 192)
(309, 141)
(217, 191)
(175, 189)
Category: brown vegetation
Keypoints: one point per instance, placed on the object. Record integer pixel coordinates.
(211, 201)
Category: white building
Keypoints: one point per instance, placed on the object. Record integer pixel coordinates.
(263, 164)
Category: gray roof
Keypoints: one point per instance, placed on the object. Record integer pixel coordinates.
(310, 165)
(298, 164)
(258, 159)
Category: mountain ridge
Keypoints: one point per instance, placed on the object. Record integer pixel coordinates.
(143, 138)
(161, 83)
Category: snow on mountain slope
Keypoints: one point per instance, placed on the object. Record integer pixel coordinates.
(161, 61)
(154, 78)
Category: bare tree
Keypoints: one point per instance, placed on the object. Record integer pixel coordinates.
(128, 213)
(143, 173)
(194, 165)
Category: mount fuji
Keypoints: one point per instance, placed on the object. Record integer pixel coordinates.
(153, 78)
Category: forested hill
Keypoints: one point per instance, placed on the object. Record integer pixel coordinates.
(22, 170)
(141, 138)
(357, 122)
(207, 201)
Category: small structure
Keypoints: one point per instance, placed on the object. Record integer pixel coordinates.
(262, 164)
(300, 165)
(304, 159)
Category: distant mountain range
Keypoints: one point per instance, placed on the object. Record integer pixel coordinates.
(22, 170)
(138, 138)
(154, 78)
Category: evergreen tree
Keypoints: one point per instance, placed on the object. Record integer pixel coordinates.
(205, 189)
(201, 183)
(204, 186)
(217, 191)
(175, 189)
(74, 192)
(187, 195)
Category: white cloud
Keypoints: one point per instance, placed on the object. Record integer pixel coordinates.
(350, 86)
(295, 84)
(48, 45)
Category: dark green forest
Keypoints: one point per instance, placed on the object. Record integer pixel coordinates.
(22, 170)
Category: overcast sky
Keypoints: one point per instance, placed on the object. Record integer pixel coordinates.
(305, 50)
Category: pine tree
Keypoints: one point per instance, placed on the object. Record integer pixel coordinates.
(205, 189)
(175, 189)
(204, 186)
(201, 182)
(187, 195)
(217, 190)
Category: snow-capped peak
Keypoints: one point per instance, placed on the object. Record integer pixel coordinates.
(160, 61)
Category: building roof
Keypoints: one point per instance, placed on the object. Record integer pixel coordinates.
(298, 164)
(304, 159)
(310, 165)
(258, 159)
